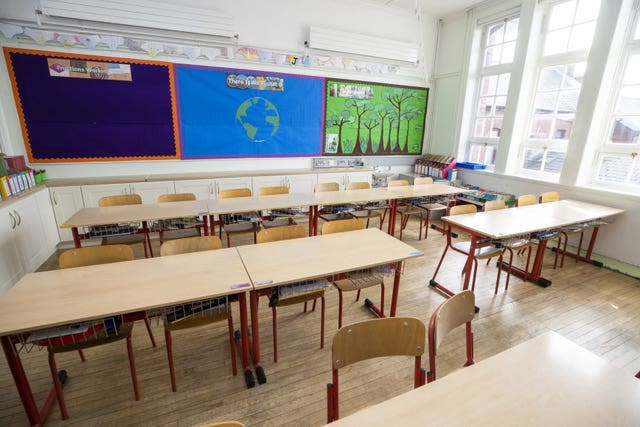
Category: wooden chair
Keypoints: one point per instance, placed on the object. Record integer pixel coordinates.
(526, 200)
(275, 234)
(183, 246)
(454, 312)
(329, 213)
(483, 251)
(183, 227)
(406, 211)
(141, 236)
(100, 334)
(429, 207)
(554, 196)
(349, 283)
(392, 336)
(224, 424)
(365, 212)
(268, 221)
(232, 226)
(550, 196)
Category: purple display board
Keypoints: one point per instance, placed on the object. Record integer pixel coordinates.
(87, 108)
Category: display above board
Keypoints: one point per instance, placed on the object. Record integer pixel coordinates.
(81, 108)
(240, 113)
(371, 119)
(85, 108)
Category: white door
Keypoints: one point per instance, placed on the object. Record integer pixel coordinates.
(66, 201)
(232, 183)
(266, 181)
(332, 177)
(202, 188)
(301, 183)
(10, 261)
(149, 191)
(92, 193)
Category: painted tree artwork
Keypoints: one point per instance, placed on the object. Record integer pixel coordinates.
(369, 119)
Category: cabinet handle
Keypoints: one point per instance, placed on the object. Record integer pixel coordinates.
(19, 217)
(13, 220)
(53, 196)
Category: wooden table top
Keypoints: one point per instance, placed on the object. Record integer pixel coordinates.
(86, 217)
(504, 223)
(379, 194)
(256, 203)
(279, 263)
(546, 381)
(59, 297)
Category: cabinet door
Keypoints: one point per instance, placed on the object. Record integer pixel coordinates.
(149, 191)
(30, 233)
(301, 183)
(233, 183)
(10, 262)
(360, 177)
(258, 182)
(92, 193)
(202, 188)
(66, 201)
(48, 220)
(332, 177)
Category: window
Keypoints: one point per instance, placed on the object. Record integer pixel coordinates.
(617, 160)
(568, 35)
(498, 49)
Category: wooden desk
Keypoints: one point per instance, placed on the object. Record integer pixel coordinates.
(546, 381)
(87, 217)
(68, 296)
(289, 261)
(392, 194)
(505, 223)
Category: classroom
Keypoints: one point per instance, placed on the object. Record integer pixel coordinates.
(300, 213)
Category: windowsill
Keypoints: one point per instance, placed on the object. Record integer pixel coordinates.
(622, 195)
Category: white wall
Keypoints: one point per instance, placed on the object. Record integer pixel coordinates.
(276, 24)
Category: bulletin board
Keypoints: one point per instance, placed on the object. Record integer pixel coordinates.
(241, 113)
(76, 108)
(371, 119)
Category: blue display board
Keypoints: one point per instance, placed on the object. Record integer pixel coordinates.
(242, 113)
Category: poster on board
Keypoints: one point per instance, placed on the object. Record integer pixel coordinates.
(371, 119)
(242, 113)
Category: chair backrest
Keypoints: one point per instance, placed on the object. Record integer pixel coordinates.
(326, 186)
(423, 180)
(190, 244)
(178, 197)
(527, 199)
(341, 225)
(120, 200)
(494, 205)
(550, 196)
(462, 209)
(455, 311)
(236, 192)
(398, 183)
(358, 185)
(285, 232)
(389, 336)
(93, 255)
(269, 191)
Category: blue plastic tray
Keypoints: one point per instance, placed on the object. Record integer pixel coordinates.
(469, 165)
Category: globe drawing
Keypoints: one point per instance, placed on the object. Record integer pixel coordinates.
(259, 118)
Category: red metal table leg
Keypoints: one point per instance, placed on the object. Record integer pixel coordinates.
(76, 237)
(244, 340)
(22, 384)
(535, 275)
(393, 208)
(315, 220)
(255, 338)
(396, 289)
(587, 257)
(205, 225)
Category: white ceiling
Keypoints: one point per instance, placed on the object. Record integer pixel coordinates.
(435, 8)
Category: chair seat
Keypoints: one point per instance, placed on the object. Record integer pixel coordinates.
(299, 298)
(518, 244)
(180, 234)
(409, 210)
(334, 216)
(241, 227)
(125, 239)
(432, 206)
(99, 338)
(199, 319)
(348, 284)
(367, 213)
(481, 253)
(278, 222)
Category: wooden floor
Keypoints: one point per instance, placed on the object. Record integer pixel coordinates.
(594, 307)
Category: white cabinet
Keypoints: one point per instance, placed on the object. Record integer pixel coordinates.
(258, 182)
(344, 178)
(203, 188)
(222, 184)
(27, 236)
(301, 183)
(149, 191)
(66, 201)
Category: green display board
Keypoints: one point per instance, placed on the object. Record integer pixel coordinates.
(371, 119)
